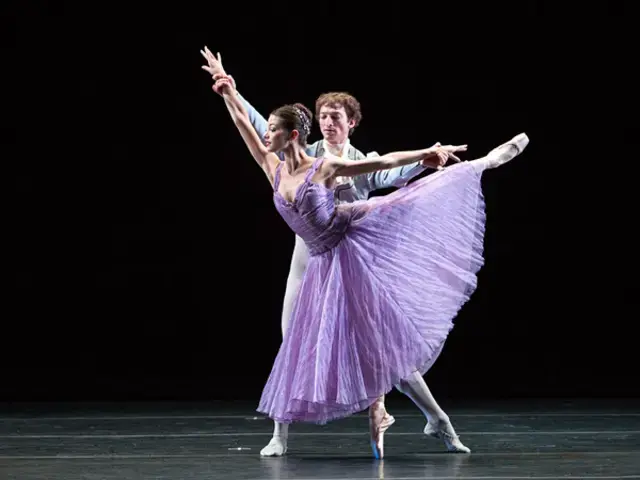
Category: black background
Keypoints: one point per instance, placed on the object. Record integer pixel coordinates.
(146, 259)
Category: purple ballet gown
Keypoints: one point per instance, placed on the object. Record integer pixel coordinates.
(383, 283)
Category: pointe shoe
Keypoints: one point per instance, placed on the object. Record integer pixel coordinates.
(379, 422)
(448, 436)
(507, 151)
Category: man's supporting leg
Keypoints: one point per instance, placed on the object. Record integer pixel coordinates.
(299, 261)
(278, 444)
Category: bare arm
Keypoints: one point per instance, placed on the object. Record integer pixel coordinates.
(344, 168)
(268, 161)
(259, 123)
(238, 112)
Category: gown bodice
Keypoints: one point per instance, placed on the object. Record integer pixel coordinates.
(313, 215)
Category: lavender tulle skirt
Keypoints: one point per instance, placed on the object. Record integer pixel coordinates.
(380, 304)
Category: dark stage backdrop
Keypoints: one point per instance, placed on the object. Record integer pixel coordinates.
(147, 258)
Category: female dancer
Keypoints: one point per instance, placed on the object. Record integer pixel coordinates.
(386, 276)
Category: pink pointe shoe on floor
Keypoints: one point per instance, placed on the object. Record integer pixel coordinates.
(379, 422)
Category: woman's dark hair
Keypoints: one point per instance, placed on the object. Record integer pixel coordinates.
(295, 117)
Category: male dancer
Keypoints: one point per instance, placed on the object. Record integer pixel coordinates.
(338, 114)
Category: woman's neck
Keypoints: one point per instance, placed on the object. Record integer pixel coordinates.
(295, 159)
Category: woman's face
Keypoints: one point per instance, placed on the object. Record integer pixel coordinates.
(276, 137)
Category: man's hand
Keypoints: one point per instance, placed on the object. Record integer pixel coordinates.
(214, 65)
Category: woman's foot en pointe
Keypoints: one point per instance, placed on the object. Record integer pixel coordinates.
(379, 422)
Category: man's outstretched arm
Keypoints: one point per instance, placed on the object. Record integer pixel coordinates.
(257, 120)
(216, 70)
(395, 177)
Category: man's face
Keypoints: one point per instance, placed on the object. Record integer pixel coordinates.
(334, 123)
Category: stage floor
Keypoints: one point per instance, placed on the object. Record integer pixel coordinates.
(509, 440)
